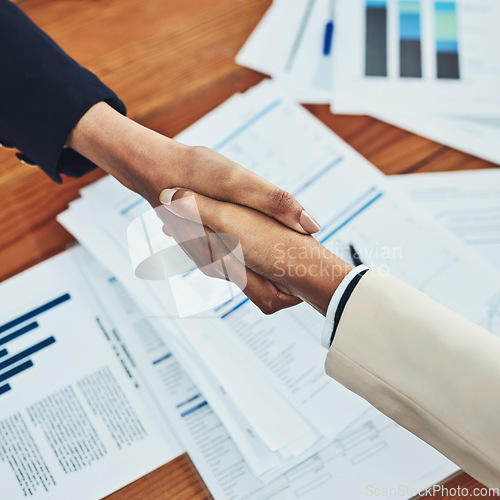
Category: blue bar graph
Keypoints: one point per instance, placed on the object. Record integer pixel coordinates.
(27, 352)
(14, 371)
(13, 363)
(5, 388)
(195, 408)
(163, 358)
(34, 312)
(18, 333)
(376, 38)
(446, 27)
(410, 45)
(188, 401)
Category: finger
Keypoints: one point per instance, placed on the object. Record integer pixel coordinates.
(225, 180)
(255, 231)
(216, 258)
(201, 245)
(266, 296)
(195, 208)
(191, 237)
(182, 203)
(262, 292)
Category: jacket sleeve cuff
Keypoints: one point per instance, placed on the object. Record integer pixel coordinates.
(44, 93)
(338, 297)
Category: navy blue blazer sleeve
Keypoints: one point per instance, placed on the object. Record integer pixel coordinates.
(43, 94)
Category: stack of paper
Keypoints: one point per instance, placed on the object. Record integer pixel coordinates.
(424, 65)
(467, 203)
(247, 393)
(289, 45)
(77, 418)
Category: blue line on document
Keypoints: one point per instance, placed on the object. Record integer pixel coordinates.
(318, 175)
(237, 306)
(3, 353)
(18, 333)
(27, 352)
(246, 125)
(347, 209)
(163, 358)
(349, 219)
(331, 233)
(35, 312)
(188, 400)
(186, 274)
(218, 308)
(127, 209)
(192, 410)
(5, 388)
(14, 371)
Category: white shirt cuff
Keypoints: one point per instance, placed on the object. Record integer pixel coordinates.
(334, 303)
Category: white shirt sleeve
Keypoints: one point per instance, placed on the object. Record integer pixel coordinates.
(334, 303)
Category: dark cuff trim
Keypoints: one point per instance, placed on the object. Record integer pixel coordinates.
(343, 301)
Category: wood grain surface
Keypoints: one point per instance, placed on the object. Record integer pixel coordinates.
(171, 62)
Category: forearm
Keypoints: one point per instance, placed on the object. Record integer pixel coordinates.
(138, 157)
(296, 263)
(43, 94)
(315, 279)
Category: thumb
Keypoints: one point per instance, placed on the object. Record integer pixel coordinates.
(224, 180)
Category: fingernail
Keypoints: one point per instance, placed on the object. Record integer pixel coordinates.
(166, 196)
(308, 223)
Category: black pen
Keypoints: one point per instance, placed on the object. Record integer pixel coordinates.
(356, 260)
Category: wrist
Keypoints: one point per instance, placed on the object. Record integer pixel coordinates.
(308, 270)
(138, 157)
(319, 288)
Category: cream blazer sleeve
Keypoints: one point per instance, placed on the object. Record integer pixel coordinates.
(427, 368)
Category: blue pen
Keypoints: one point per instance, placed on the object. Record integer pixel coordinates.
(329, 28)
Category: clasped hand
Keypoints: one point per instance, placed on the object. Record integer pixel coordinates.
(281, 264)
(276, 268)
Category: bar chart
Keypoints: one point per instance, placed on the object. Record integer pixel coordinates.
(446, 26)
(13, 363)
(410, 43)
(394, 29)
(376, 38)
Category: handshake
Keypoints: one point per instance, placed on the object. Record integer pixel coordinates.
(218, 205)
(263, 244)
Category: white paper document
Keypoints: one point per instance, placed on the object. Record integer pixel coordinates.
(289, 44)
(369, 441)
(401, 61)
(467, 203)
(76, 418)
(425, 56)
(473, 136)
(257, 382)
(239, 395)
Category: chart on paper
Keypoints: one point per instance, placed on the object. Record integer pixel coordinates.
(443, 50)
(73, 406)
(435, 55)
(22, 328)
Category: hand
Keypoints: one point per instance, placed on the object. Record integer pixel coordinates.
(219, 256)
(296, 264)
(148, 162)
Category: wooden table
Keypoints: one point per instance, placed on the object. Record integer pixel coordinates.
(171, 61)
